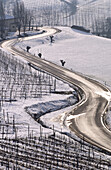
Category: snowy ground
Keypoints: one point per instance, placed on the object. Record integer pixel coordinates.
(23, 120)
(68, 45)
(83, 52)
(25, 123)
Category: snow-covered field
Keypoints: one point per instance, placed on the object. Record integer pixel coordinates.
(83, 52)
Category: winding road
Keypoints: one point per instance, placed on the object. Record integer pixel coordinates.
(86, 118)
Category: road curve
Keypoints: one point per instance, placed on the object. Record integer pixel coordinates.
(86, 119)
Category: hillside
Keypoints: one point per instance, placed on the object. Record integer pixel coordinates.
(88, 13)
(34, 104)
(82, 4)
(44, 143)
(61, 13)
(28, 146)
(83, 52)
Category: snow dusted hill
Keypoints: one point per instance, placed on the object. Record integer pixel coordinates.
(63, 12)
(81, 3)
(85, 5)
(104, 6)
(88, 11)
(83, 52)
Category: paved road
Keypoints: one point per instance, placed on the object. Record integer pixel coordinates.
(86, 119)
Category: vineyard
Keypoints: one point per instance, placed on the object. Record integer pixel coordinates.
(19, 80)
(54, 150)
(50, 152)
(27, 140)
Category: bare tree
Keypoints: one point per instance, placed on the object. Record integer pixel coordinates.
(46, 15)
(108, 27)
(102, 27)
(25, 20)
(30, 18)
(18, 13)
(22, 16)
(2, 19)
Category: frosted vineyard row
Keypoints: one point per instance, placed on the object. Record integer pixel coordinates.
(18, 80)
(54, 151)
(50, 152)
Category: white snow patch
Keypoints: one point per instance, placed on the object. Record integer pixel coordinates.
(106, 95)
(74, 116)
(70, 117)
